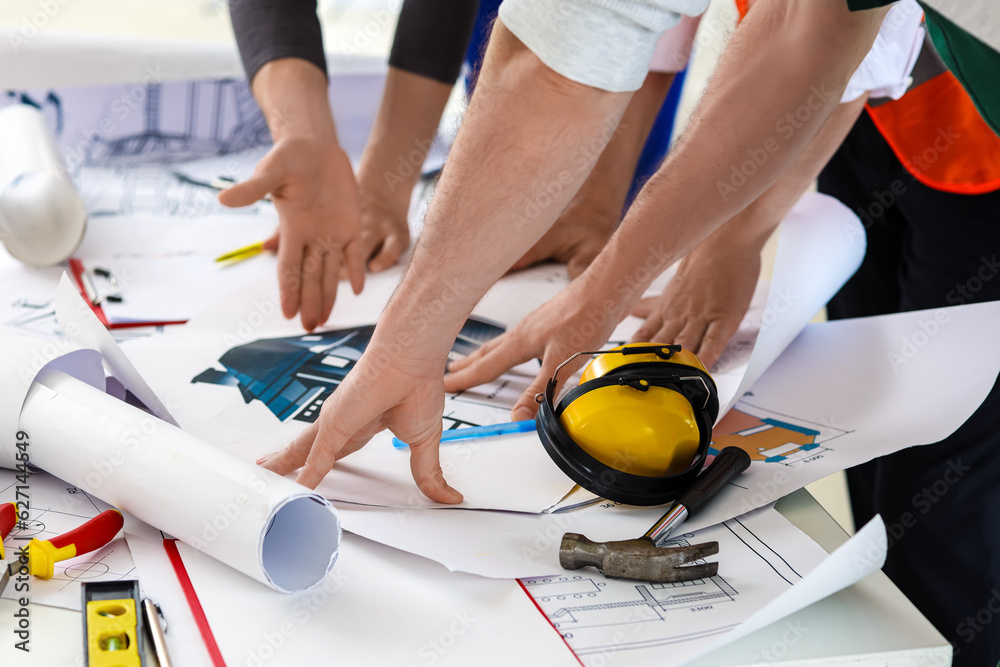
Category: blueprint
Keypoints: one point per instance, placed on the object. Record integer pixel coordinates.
(56, 507)
(768, 569)
(832, 401)
(294, 375)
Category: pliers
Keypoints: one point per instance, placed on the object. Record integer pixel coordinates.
(40, 556)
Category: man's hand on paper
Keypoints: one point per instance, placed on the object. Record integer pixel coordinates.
(577, 237)
(312, 186)
(580, 317)
(706, 300)
(385, 234)
(382, 391)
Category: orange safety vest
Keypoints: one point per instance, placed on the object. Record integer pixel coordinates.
(935, 130)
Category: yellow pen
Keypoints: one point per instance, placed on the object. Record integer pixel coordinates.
(240, 254)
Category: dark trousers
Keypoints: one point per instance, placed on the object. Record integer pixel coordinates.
(940, 502)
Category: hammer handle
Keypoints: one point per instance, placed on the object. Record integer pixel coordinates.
(729, 463)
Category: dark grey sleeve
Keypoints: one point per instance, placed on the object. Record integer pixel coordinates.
(432, 37)
(270, 29)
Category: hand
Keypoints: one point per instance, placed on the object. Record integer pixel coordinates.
(576, 238)
(407, 398)
(385, 234)
(576, 319)
(705, 301)
(312, 185)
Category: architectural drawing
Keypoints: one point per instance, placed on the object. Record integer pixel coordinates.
(294, 375)
(56, 507)
(121, 189)
(33, 317)
(150, 121)
(613, 621)
(586, 605)
(773, 437)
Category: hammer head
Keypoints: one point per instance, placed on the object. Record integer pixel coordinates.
(638, 559)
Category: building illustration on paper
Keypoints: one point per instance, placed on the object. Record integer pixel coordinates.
(773, 437)
(578, 602)
(598, 615)
(294, 375)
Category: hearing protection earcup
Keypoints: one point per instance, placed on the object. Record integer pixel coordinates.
(638, 426)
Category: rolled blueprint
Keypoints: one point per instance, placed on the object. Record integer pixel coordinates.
(42, 218)
(259, 523)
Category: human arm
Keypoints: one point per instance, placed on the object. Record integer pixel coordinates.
(506, 179)
(512, 170)
(593, 214)
(427, 53)
(307, 174)
(683, 203)
(706, 300)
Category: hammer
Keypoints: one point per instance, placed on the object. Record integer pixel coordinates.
(644, 558)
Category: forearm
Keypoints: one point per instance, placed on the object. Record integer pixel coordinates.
(404, 130)
(749, 229)
(792, 56)
(292, 94)
(608, 185)
(512, 170)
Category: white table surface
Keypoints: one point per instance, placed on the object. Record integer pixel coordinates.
(870, 623)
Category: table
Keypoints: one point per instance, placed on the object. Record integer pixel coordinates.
(870, 623)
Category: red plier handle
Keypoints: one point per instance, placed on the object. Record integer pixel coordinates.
(44, 554)
(8, 519)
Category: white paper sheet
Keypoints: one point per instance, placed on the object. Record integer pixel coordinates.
(820, 245)
(158, 289)
(768, 570)
(55, 507)
(158, 581)
(817, 430)
(817, 242)
(512, 473)
(378, 606)
(606, 621)
(863, 554)
(848, 391)
(79, 323)
(258, 523)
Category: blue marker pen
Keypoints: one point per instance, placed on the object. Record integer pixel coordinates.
(479, 432)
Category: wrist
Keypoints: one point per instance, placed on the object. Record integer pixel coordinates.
(742, 236)
(292, 94)
(387, 185)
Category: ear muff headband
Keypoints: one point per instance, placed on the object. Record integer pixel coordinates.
(692, 383)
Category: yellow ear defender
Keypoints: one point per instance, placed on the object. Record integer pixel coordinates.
(638, 426)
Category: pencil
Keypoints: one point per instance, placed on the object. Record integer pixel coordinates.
(246, 252)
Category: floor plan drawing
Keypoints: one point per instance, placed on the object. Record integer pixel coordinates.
(773, 437)
(294, 375)
(617, 621)
(56, 507)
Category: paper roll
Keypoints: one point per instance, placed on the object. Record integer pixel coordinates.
(42, 218)
(251, 519)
